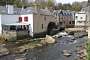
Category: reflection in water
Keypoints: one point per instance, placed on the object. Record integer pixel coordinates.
(50, 52)
(38, 53)
(9, 57)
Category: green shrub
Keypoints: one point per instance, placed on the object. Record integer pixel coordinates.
(2, 39)
(88, 51)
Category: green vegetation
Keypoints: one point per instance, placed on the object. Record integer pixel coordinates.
(88, 50)
(50, 4)
(17, 3)
(74, 6)
(2, 39)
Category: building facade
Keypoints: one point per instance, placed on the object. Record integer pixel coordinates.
(80, 19)
(88, 18)
(65, 18)
(29, 22)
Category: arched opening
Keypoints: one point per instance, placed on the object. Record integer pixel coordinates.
(50, 27)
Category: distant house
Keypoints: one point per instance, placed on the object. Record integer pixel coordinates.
(80, 19)
(65, 18)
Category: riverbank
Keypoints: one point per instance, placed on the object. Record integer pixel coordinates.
(22, 46)
(50, 51)
(88, 50)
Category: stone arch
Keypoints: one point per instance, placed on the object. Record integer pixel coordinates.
(50, 27)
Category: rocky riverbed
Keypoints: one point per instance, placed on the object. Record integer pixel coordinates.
(22, 46)
(51, 51)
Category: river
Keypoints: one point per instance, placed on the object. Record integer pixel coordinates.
(52, 51)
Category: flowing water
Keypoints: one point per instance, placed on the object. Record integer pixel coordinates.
(52, 51)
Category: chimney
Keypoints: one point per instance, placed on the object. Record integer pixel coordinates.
(10, 9)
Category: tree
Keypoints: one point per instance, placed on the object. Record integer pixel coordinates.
(76, 6)
(2, 2)
(60, 5)
(17, 3)
(67, 7)
(44, 4)
(50, 3)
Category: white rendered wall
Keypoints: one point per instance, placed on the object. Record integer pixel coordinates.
(0, 26)
(9, 19)
(88, 32)
(30, 21)
(79, 15)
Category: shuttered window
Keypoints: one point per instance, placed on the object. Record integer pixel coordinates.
(26, 19)
(20, 19)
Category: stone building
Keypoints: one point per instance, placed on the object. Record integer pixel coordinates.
(88, 18)
(65, 18)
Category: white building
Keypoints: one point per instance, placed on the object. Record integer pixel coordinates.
(80, 19)
(32, 23)
(87, 10)
(7, 19)
(0, 26)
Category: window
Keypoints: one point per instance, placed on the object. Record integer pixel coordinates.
(22, 27)
(20, 19)
(81, 17)
(45, 18)
(79, 21)
(26, 19)
(76, 17)
(61, 23)
(73, 22)
(12, 27)
(42, 26)
(70, 22)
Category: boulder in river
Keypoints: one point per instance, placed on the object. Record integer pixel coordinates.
(49, 39)
(20, 49)
(43, 42)
(39, 45)
(3, 51)
(67, 53)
